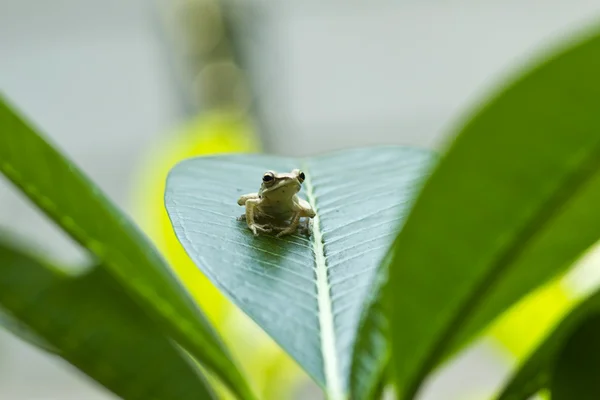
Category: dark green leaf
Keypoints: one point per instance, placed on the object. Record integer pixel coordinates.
(61, 190)
(307, 293)
(17, 328)
(97, 328)
(511, 204)
(534, 373)
(575, 374)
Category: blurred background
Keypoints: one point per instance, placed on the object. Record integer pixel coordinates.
(127, 88)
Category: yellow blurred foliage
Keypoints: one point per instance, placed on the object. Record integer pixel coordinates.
(271, 371)
(522, 327)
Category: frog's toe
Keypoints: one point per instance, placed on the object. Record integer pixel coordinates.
(265, 228)
(305, 230)
(286, 232)
(256, 229)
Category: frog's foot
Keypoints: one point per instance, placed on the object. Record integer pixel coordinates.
(292, 227)
(241, 217)
(306, 227)
(256, 229)
(282, 229)
(278, 228)
(286, 231)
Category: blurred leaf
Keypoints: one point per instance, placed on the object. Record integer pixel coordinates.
(522, 327)
(307, 293)
(97, 328)
(371, 353)
(534, 372)
(77, 205)
(512, 203)
(17, 328)
(207, 134)
(575, 373)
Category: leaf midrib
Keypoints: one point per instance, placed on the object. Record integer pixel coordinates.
(333, 382)
(571, 184)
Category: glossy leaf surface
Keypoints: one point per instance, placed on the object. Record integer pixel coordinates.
(306, 292)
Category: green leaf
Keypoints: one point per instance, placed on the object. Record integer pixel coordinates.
(534, 373)
(371, 354)
(575, 374)
(17, 328)
(61, 190)
(97, 328)
(307, 293)
(511, 204)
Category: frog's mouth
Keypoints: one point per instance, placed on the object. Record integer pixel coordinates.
(293, 185)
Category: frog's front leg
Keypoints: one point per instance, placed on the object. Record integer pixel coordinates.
(306, 227)
(243, 199)
(250, 217)
(305, 209)
(294, 222)
(242, 202)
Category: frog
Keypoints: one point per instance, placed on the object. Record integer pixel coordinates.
(276, 205)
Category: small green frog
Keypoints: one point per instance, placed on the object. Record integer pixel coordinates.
(277, 205)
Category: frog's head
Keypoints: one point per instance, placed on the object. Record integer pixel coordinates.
(281, 186)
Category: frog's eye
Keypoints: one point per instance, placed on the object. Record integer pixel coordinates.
(268, 177)
(301, 177)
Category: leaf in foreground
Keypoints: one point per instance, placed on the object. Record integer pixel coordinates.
(98, 328)
(61, 190)
(512, 203)
(534, 373)
(306, 292)
(575, 373)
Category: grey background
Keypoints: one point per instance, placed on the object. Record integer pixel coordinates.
(96, 75)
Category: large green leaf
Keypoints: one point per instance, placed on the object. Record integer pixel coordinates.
(534, 373)
(575, 373)
(512, 203)
(98, 328)
(61, 190)
(307, 293)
